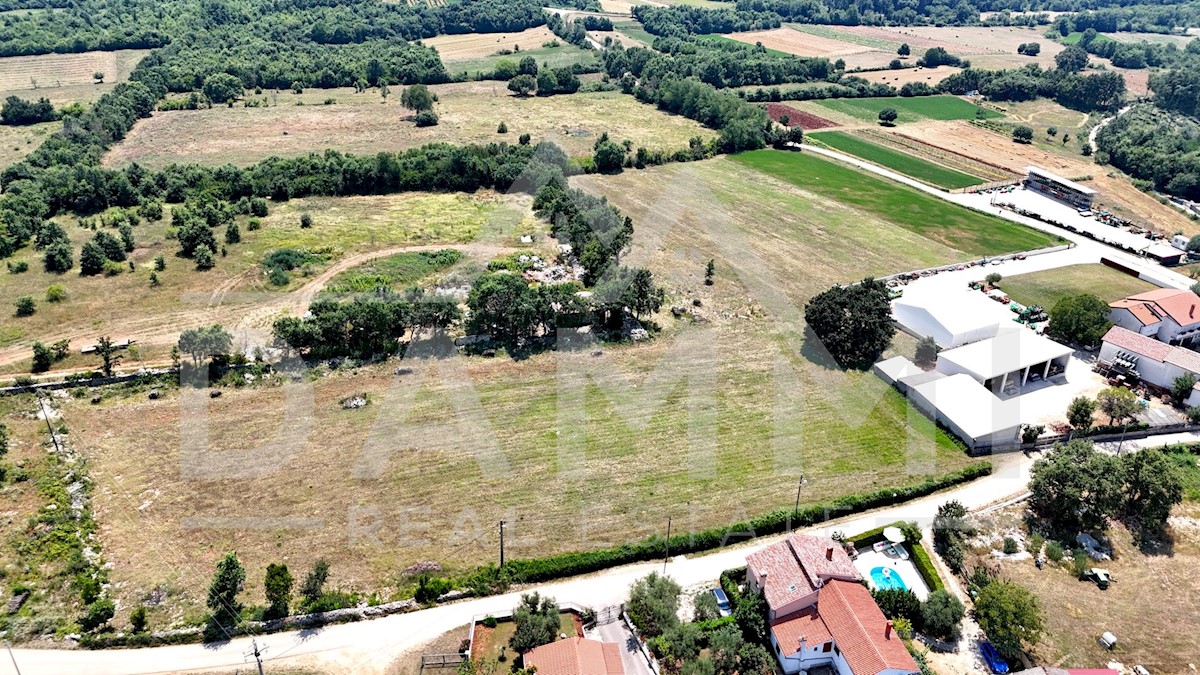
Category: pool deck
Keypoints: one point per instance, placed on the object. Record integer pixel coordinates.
(868, 560)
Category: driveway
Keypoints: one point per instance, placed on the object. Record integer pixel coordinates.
(631, 656)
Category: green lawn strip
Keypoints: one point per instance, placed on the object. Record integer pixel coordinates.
(910, 108)
(970, 231)
(907, 164)
(721, 38)
(1047, 287)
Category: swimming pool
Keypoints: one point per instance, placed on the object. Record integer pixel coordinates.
(885, 579)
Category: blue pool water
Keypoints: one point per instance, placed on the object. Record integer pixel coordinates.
(885, 579)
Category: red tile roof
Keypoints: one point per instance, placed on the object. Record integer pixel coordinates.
(576, 656)
(804, 625)
(1137, 343)
(1182, 306)
(861, 631)
(796, 566)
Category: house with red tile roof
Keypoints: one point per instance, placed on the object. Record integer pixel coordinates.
(821, 614)
(576, 656)
(1166, 314)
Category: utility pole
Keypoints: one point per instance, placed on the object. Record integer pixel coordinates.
(49, 427)
(796, 509)
(17, 668)
(502, 544)
(257, 654)
(667, 546)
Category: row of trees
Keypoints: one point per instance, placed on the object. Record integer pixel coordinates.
(227, 611)
(1101, 91)
(365, 327)
(681, 20)
(723, 63)
(17, 111)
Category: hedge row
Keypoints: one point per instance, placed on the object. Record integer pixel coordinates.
(1104, 429)
(924, 565)
(583, 562)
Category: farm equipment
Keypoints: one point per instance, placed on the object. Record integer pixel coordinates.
(1032, 314)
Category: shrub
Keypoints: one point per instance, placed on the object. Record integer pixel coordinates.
(25, 306)
(41, 358)
(898, 604)
(426, 118)
(1022, 134)
(253, 224)
(56, 293)
(653, 604)
(1010, 546)
(1080, 563)
(306, 220)
(204, 258)
(1034, 544)
(277, 276)
(489, 621)
(98, 614)
(18, 267)
(137, 618)
(429, 589)
(1054, 551)
(502, 129)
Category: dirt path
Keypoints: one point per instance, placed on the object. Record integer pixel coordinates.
(257, 309)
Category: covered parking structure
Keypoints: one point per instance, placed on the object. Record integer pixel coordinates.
(1006, 362)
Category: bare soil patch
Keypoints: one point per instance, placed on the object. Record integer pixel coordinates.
(470, 113)
(792, 41)
(798, 118)
(899, 78)
(475, 45)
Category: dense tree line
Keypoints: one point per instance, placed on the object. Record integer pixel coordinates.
(1100, 91)
(142, 24)
(364, 327)
(1112, 17)
(682, 20)
(722, 63)
(18, 111)
(845, 87)
(1157, 146)
(743, 126)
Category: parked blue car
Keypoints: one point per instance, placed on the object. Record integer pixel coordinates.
(722, 601)
(993, 658)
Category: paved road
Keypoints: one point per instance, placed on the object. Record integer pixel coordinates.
(368, 647)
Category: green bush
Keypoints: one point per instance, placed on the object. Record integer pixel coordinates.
(1080, 563)
(489, 621)
(1054, 551)
(1010, 546)
(1034, 544)
(56, 293)
(924, 565)
(25, 306)
(429, 589)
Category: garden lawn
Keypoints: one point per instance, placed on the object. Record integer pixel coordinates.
(910, 108)
(909, 165)
(970, 231)
(1049, 286)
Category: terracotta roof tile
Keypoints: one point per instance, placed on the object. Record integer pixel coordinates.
(860, 630)
(805, 625)
(1182, 306)
(796, 566)
(576, 656)
(1137, 343)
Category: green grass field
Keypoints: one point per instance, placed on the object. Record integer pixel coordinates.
(969, 231)
(722, 38)
(397, 272)
(1046, 288)
(911, 109)
(924, 170)
(634, 30)
(564, 55)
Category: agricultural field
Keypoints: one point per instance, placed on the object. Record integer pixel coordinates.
(903, 76)
(985, 47)
(624, 6)
(66, 78)
(474, 53)
(633, 29)
(347, 232)
(909, 165)
(775, 245)
(910, 109)
(788, 40)
(1116, 193)
(1047, 287)
(470, 113)
(18, 141)
(973, 233)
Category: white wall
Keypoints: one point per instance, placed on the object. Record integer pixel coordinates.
(1125, 319)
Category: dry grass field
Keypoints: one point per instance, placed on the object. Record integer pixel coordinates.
(16, 142)
(65, 78)
(1117, 194)
(899, 78)
(470, 113)
(789, 40)
(1151, 608)
(126, 306)
(985, 47)
(437, 496)
(475, 45)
